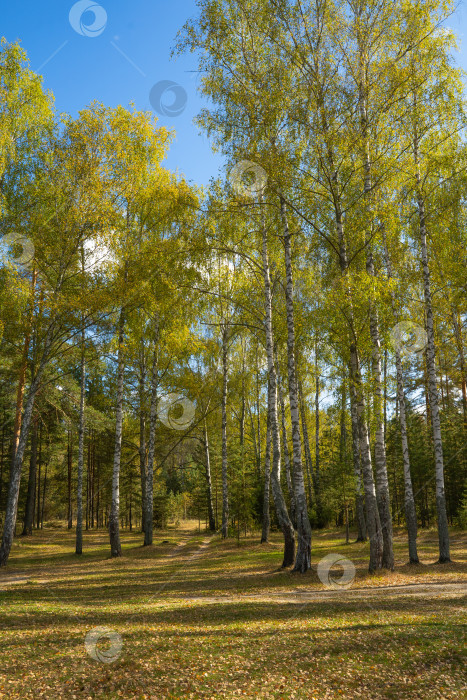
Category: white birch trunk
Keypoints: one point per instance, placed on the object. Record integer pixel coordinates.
(212, 521)
(303, 558)
(443, 531)
(288, 474)
(273, 419)
(373, 522)
(266, 523)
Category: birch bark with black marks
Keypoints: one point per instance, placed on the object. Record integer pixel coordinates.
(443, 530)
(303, 558)
(225, 485)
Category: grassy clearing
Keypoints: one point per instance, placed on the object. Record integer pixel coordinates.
(202, 618)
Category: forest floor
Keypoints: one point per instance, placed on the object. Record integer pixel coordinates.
(196, 617)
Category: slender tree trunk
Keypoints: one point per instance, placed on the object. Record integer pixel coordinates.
(142, 438)
(2, 459)
(343, 461)
(38, 488)
(212, 521)
(43, 494)
(29, 510)
(23, 369)
(317, 475)
(273, 419)
(381, 473)
(462, 364)
(15, 472)
(31, 494)
(373, 522)
(79, 494)
(288, 473)
(409, 501)
(443, 531)
(306, 446)
(303, 558)
(149, 517)
(69, 473)
(225, 490)
(98, 464)
(253, 435)
(357, 466)
(267, 484)
(93, 472)
(258, 417)
(114, 524)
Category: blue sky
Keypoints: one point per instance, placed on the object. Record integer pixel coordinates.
(125, 56)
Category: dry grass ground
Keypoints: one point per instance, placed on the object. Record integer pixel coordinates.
(202, 618)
